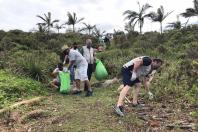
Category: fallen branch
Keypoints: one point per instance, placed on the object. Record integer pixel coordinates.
(33, 115)
(25, 102)
(182, 126)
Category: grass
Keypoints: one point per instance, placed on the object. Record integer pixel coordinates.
(94, 113)
(14, 88)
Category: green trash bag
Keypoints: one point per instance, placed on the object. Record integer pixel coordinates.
(64, 82)
(100, 71)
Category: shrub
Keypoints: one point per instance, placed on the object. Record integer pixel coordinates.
(35, 64)
(13, 87)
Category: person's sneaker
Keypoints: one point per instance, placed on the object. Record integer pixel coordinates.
(121, 109)
(118, 110)
(89, 93)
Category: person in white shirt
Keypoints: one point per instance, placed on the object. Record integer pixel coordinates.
(89, 53)
(72, 69)
(75, 58)
(56, 82)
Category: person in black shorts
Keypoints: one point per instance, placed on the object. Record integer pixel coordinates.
(131, 72)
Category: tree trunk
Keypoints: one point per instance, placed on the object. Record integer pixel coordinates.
(89, 31)
(73, 27)
(140, 29)
(161, 27)
(48, 30)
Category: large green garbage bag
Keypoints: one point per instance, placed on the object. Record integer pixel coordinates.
(64, 82)
(100, 71)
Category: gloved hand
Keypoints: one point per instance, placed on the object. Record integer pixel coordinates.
(133, 76)
(150, 95)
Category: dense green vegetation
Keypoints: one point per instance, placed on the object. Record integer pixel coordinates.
(28, 58)
(14, 88)
(35, 55)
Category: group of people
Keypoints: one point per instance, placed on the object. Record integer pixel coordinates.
(80, 63)
(136, 72)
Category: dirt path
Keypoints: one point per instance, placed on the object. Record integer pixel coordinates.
(95, 114)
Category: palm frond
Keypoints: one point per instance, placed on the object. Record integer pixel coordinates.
(41, 17)
(196, 6)
(167, 14)
(80, 20)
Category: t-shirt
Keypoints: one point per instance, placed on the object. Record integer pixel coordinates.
(88, 53)
(77, 57)
(56, 70)
(144, 69)
(146, 61)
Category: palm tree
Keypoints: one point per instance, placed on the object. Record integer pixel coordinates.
(160, 16)
(190, 12)
(88, 27)
(41, 27)
(98, 33)
(137, 17)
(58, 27)
(72, 19)
(47, 21)
(128, 27)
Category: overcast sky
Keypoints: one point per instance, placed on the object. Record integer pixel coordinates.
(106, 14)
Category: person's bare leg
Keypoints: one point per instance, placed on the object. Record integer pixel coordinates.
(87, 83)
(120, 88)
(122, 95)
(74, 85)
(78, 85)
(53, 84)
(136, 91)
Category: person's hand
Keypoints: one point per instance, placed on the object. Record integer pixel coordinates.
(150, 95)
(133, 76)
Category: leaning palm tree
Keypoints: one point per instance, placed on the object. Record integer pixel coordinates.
(88, 27)
(48, 21)
(138, 17)
(160, 16)
(190, 12)
(58, 27)
(73, 20)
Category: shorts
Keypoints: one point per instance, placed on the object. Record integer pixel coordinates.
(126, 74)
(56, 82)
(81, 73)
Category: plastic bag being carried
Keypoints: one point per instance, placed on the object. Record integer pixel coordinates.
(100, 71)
(64, 82)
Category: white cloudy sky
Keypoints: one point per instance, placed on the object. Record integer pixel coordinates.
(106, 14)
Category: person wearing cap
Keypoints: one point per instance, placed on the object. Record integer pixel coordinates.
(75, 58)
(89, 53)
(132, 71)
